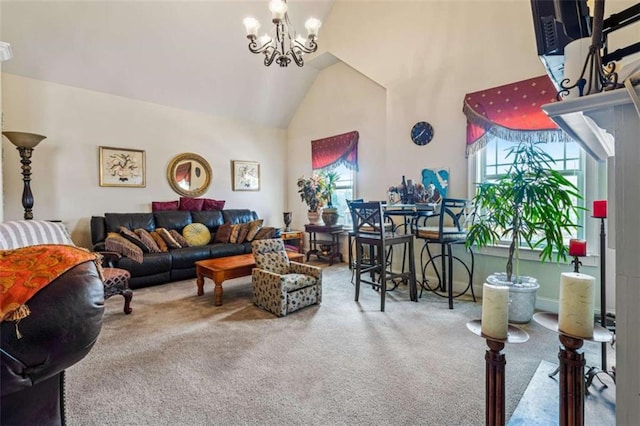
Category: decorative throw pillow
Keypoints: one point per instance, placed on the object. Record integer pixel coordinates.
(196, 234)
(254, 227)
(191, 204)
(147, 239)
(119, 244)
(210, 204)
(242, 233)
(159, 241)
(166, 236)
(179, 238)
(223, 233)
(235, 230)
(158, 206)
(131, 236)
(265, 233)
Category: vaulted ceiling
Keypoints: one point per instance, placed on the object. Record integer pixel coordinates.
(185, 54)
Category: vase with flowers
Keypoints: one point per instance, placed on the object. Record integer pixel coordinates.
(317, 191)
(310, 190)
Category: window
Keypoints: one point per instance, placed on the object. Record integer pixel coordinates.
(492, 163)
(345, 190)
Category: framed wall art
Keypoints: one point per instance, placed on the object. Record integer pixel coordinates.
(122, 167)
(246, 176)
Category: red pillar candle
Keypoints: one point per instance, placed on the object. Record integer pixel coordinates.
(600, 208)
(577, 247)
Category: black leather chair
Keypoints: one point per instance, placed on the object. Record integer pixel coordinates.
(65, 320)
(449, 231)
(371, 229)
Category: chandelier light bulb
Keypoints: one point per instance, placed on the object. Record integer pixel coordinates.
(252, 25)
(264, 39)
(312, 25)
(278, 8)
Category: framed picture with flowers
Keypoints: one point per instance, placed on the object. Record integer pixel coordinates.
(246, 176)
(122, 167)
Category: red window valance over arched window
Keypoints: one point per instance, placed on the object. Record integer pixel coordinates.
(511, 112)
(335, 150)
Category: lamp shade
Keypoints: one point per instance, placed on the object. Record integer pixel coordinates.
(24, 140)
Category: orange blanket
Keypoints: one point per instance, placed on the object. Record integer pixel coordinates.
(25, 271)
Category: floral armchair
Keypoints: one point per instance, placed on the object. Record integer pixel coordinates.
(279, 285)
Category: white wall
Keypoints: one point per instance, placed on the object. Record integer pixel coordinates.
(341, 100)
(77, 121)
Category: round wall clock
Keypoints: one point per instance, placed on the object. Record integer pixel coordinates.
(422, 133)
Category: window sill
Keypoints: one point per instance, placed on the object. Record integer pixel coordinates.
(532, 255)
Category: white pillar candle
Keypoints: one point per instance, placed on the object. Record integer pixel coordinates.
(495, 311)
(575, 313)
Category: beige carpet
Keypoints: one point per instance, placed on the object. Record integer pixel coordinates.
(180, 360)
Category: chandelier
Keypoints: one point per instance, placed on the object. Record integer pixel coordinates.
(285, 44)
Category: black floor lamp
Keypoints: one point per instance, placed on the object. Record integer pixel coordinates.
(25, 142)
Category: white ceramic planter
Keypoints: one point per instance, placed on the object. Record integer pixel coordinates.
(522, 296)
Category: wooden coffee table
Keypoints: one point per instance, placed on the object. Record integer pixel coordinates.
(225, 268)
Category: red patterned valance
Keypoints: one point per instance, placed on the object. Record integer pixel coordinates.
(512, 112)
(335, 150)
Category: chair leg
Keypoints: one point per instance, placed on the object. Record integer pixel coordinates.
(128, 295)
(383, 276)
(358, 268)
(413, 288)
(449, 249)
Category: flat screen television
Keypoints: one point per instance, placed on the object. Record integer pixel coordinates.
(557, 23)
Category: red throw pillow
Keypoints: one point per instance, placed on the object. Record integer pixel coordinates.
(191, 204)
(158, 206)
(210, 204)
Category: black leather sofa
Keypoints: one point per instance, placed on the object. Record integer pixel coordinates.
(175, 264)
(64, 324)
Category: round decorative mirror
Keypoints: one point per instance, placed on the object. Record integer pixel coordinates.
(189, 174)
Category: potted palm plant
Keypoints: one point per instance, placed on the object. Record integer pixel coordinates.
(533, 204)
(330, 214)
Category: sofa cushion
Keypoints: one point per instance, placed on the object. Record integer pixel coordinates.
(130, 221)
(119, 244)
(147, 239)
(239, 215)
(158, 206)
(24, 233)
(159, 241)
(196, 234)
(186, 257)
(242, 233)
(235, 231)
(228, 249)
(191, 204)
(131, 236)
(254, 227)
(179, 238)
(211, 218)
(223, 233)
(168, 238)
(210, 204)
(177, 219)
(265, 233)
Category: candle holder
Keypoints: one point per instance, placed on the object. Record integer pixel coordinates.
(572, 384)
(494, 375)
(576, 264)
(593, 372)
